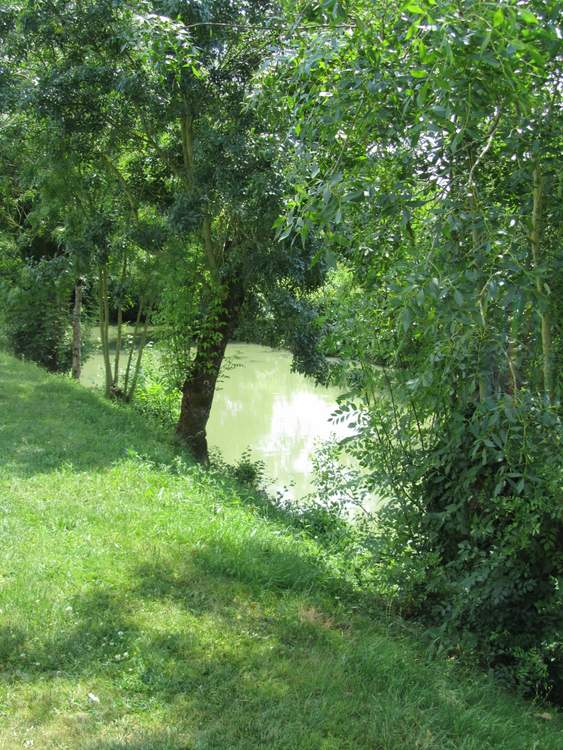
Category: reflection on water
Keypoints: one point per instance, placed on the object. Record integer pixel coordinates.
(281, 415)
(260, 404)
(92, 373)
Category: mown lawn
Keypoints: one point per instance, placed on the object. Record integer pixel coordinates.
(145, 605)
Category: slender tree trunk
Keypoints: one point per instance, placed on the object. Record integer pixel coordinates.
(129, 394)
(485, 363)
(199, 387)
(76, 332)
(132, 348)
(536, 236)
(512, 388)
(119, 325)
(104, 329)
(117, 346)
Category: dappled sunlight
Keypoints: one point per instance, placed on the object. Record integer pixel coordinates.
(145, 606)
(205, 654)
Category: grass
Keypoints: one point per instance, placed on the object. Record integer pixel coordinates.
(147, 605)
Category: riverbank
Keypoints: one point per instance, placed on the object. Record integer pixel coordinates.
(260, 405)
(148, 605)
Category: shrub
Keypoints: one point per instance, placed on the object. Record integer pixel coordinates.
(155, 394)
(36, 314)
(474, 544)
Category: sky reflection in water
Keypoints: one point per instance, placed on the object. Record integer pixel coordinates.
(260, 404)
(280, 415)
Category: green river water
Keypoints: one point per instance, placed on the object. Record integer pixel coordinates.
(260, 404)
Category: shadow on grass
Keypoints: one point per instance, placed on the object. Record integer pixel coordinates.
(212, 585)
(149, 741)
(98, 628)
(231, 659)
(240, 660)
(257, 563)
(323, 524)
(47, 423)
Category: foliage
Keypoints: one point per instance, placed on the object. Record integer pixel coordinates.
(426, 141)
(36, 316)
(147, 123)
(258, 325)
(155, 395)
(67, 161)
(247, 470)
(345, 319)
(203, 164)
(470, 536)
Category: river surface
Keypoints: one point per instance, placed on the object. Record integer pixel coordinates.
(262, 405)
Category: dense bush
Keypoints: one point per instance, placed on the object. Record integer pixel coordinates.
(494, 519)
(432, 167)
(36, 314)
(259, 326)
(471, 537)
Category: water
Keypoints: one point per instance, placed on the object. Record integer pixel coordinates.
(280, 415)
(260, 404)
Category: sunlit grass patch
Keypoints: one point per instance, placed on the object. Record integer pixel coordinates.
(145, 606)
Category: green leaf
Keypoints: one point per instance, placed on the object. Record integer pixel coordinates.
(285, 234)
(528, 17)
(498, 18)
(519, 486)
(330, 259)
(486, 40)
(406, 318)
(414, 8)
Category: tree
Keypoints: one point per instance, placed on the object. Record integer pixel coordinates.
(165, 86)
(34, 271)
(426, 141)
(76, 149)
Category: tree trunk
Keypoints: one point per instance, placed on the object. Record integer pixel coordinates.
(131, 392)
(536, 238)
(484, 362)
(117, 347)
(199, 387)
(76, 332)
(132, 348)
(104, 330)
(119, 325)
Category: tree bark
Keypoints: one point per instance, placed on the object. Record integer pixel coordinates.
(132, 347)
(131, 392)
(76, 332)
(536, 239)
(199, 387)
(104, 330)
(117, 347)
(119, 324)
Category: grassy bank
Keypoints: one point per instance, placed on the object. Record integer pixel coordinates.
(144, 605)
